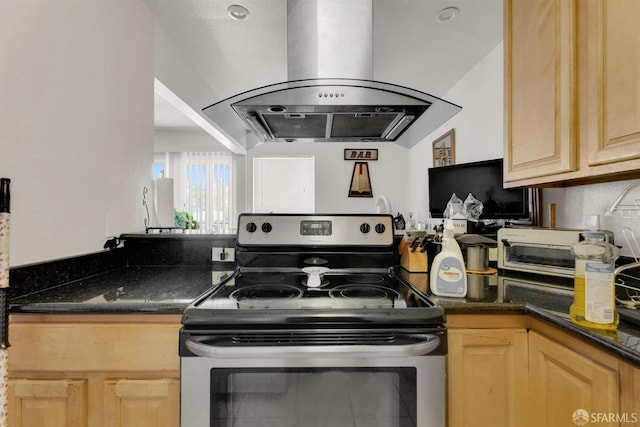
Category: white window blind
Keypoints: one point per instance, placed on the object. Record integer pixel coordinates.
(204, 188)
(283, 184)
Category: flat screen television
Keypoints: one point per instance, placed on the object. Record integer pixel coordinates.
(485, 181)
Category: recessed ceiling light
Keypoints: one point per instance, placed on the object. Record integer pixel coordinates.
(237, 12)
(447, 14)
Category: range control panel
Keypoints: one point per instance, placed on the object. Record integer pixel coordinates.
(315, 230)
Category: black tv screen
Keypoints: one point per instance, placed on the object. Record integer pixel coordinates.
(485, 181)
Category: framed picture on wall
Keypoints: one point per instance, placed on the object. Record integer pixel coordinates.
(360, 181)
(444, 149)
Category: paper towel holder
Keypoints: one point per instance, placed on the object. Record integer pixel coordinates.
(147, 221)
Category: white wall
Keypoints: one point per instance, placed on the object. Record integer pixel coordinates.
(185, 140)
(76, 122)
(333, 174)
(478, 127)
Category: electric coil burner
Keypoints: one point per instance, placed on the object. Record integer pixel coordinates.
(313, 294)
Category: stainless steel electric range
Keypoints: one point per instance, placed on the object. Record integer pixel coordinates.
(313, 328)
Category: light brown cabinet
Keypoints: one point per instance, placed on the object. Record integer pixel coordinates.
(540, 88)
(94, 371)
(630, 393)
(572, 96)
(141, 403)
(487, 371)
(563, 381)
(516, 370)
(107, 371)
(51, 403)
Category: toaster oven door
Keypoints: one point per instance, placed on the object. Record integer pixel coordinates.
(549, 259)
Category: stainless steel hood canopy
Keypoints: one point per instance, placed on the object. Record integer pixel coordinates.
(331, 95)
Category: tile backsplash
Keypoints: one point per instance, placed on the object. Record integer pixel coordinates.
(575, 204)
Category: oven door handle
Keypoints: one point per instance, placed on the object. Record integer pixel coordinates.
(427, 344)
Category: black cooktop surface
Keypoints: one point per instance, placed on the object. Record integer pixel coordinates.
(285, 297)
(290, 291)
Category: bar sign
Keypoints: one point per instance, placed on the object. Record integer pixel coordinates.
(366, 154)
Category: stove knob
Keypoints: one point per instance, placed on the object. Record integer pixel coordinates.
(251, 227)
(266, 227)
(365, 228)
(380, 228)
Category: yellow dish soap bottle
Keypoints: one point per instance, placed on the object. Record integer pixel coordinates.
(594, 302)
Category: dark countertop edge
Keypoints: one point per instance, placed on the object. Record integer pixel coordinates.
(62, 308)
(540, 313)
(591, 337)
(178, 236)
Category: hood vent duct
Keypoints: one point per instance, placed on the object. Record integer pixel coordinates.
(329, 38)
(330, 95)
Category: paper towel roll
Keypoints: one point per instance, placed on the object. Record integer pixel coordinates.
(164, 202)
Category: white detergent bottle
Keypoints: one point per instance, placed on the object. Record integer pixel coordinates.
(448, 277)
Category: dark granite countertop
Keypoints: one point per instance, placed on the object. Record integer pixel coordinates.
(543, 297)
(140, 289)
(169, 289)
(180, 235)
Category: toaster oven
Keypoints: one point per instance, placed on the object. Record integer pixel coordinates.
(537, 250)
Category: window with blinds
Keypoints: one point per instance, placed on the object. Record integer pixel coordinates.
(204, 188)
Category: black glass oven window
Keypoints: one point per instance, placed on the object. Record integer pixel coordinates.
(294, 397)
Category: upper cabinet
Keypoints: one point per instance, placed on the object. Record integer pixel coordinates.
(572, 90)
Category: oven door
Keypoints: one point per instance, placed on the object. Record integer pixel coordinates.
(318, 386)
(555, 260)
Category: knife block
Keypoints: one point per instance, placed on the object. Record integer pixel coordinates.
(412, 261)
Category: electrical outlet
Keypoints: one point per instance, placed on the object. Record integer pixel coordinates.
(223, 254)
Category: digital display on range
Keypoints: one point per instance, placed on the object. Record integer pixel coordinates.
(315, 228)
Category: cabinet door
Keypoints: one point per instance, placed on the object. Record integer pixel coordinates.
(610, 87)
(563, 382)
(141, 403)
(488, 376)
(47, 403)
(630, 394)
(540, 88)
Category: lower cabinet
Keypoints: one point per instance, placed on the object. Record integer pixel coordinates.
(47, 403)
(487, 372)
(565, 384)
(64, 403)
(528, 373)
(94, 371)
(141, 403)
(123, 371)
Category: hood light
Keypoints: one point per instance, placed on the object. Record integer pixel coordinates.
(399, 127)
(447, 14)
(237, 12)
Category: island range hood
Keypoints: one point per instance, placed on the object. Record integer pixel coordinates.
(331, 95)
